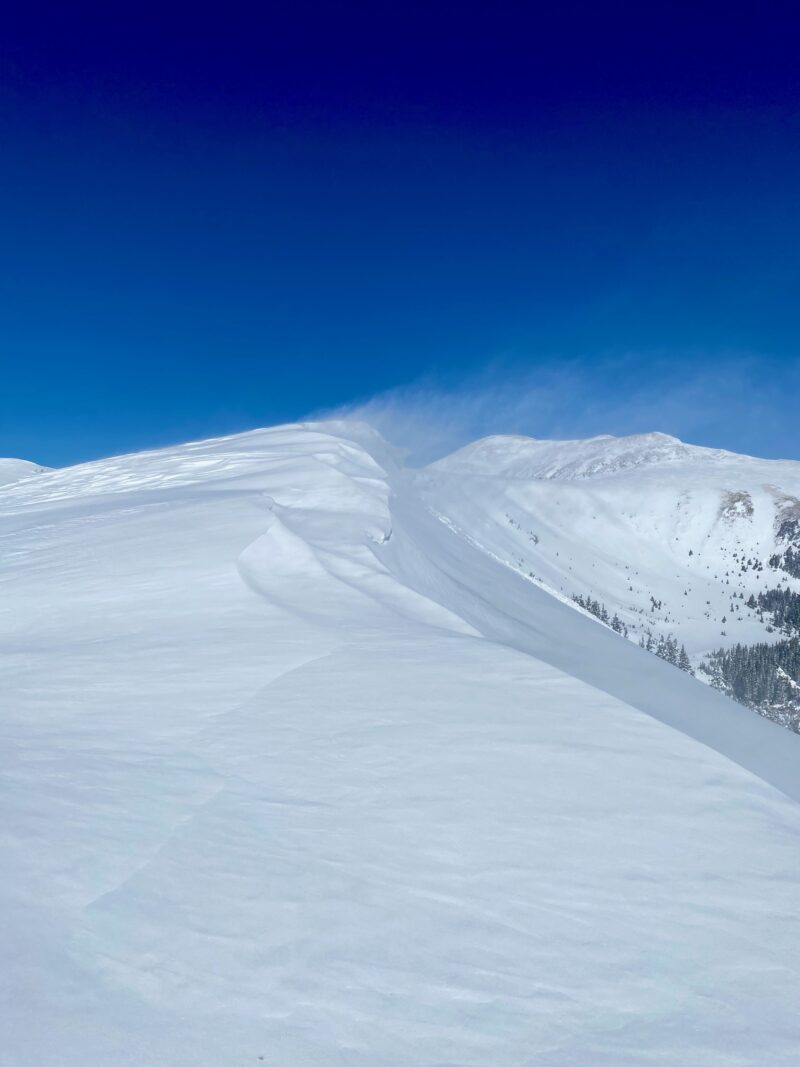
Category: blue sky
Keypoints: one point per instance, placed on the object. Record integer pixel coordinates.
(207, 226)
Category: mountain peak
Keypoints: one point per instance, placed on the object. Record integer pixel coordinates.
(532, 458)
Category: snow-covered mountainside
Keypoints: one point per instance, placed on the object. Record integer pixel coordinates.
(299, 766)
(669, 539)
(13, 470)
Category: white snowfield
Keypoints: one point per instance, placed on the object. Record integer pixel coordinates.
(297, 770)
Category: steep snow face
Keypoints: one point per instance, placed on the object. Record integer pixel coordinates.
(670, 537)
(294, 770)
(12, 470)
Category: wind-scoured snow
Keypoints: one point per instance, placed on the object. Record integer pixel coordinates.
(298, 768)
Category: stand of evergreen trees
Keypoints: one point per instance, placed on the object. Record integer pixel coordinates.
(789, 561)
(594, 607)
(765, 677)
(665, 647)
(782, 604)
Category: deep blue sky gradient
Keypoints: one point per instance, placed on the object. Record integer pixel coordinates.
(211, 222)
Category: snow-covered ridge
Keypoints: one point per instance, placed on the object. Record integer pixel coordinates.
(529, 458)
(13, 470)
(299, 765)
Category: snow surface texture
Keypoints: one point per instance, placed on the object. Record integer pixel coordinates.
(297, 770)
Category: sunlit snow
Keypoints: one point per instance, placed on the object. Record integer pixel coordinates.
(299, 767)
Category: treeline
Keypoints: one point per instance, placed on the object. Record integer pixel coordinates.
(594, 607)
(667, 648)
(765, 677)
(782, 604)
(664, 646)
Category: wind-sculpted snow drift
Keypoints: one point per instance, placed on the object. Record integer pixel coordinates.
(299, 766)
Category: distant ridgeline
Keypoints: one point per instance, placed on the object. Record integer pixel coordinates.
(765, 677)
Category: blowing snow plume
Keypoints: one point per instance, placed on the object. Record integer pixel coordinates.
(714, 400)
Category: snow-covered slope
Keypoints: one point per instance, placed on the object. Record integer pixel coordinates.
(671, 537)
(295, 771)
(12, 470)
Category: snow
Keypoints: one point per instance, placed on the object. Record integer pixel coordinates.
(624, 520)
(13, 470)
(299, 767)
